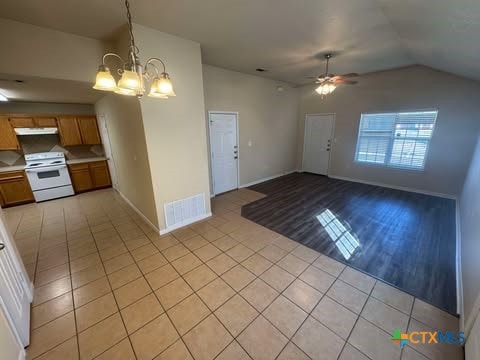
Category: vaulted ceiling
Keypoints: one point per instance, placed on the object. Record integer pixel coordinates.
(288, 38)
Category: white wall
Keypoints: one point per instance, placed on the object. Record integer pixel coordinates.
(470, 239)
(175, 129)
(129, 150)
(267, 118)
(35, 51)
(409, 88)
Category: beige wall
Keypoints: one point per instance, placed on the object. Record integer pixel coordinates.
(409, 88)
(127, 138)
(35, 51)
(470, 239)
(267, 118)
(175, 129)
(46, 108)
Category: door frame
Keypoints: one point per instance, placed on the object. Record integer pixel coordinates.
(210, 112)
(331, 144)
(106, 143)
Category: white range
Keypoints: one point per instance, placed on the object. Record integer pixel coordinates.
(48, 175)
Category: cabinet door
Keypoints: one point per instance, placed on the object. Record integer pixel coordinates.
(22, 122)
(44, 121)
(15, 189)
(8, 138)
(69, 131)
(100, 174)
(81, 178)
(89, 130)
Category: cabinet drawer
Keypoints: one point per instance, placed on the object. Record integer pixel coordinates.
(81, 166)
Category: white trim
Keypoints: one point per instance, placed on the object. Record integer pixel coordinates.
(22, 354)
(137, 211)
(458, 264)
(418, 191)
(267, 178)
(210, 147)
(332, 136)
(185, 223)
(474, 315)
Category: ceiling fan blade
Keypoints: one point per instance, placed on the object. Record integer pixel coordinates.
(345, 82)
(349, 75)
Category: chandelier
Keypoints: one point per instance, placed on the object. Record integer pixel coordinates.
(133, 74)
(325, 88)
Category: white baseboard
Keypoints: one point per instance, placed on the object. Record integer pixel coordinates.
(185, 223)
(137, 211)
(266, 179)
(447, 196)
(458, 263)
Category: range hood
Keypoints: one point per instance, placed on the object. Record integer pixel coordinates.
(36, 131)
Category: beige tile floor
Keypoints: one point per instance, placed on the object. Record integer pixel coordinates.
(108, 287)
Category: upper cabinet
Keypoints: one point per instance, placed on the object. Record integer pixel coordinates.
(69, 131)
(73, 130)
(78, 130)
(22, 122)
(89, 130)
(33, 121)
(8, 139)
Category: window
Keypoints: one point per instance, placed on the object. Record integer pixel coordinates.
(398, 140)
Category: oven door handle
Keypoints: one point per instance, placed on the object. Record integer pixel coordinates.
(50, 168)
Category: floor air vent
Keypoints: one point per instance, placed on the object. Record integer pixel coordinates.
(183, 212)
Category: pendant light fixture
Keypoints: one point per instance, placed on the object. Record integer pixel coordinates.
(133, 74)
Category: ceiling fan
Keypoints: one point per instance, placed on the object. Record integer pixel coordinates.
(328, 82)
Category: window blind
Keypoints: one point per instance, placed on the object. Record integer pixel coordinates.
(395, 139)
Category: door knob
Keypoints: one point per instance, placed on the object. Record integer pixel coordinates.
(2, 246)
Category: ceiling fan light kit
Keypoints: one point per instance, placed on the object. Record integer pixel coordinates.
(134, 74)
(328, 82)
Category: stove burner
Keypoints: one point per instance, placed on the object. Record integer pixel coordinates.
(57, 162)
(34, 164)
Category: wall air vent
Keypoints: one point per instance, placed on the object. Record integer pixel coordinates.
(186, 211)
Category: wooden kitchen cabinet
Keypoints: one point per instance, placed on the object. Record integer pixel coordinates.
(22, 122)
(69, 131)
(15, 189)
(81, 178)
(33, 121)
(45, 121)
(8, 138)
(90, 176)
(89, 130)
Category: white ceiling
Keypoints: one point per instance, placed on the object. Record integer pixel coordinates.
(288, 37)
(47, 90)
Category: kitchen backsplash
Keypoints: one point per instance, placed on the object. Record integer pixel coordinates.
(44, 143)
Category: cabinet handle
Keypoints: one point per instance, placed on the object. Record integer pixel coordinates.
(2, 246)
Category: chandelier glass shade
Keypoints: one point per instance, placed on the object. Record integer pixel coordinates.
(134, 75)
(325, 88)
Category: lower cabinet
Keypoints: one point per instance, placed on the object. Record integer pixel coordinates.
(90, 176)
(15, 189)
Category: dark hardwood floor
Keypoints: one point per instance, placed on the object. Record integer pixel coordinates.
(404, 238)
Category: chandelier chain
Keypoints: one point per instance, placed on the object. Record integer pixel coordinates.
(130, 26)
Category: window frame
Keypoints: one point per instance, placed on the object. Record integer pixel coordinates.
(388, 154)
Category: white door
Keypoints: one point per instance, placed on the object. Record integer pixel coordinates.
(224, 151)
(108, 149)
(318, 143)
(15, 290)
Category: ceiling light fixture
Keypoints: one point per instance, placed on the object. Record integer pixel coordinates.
(3, 97)
(134, 74)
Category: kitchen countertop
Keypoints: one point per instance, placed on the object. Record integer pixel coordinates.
(11, 168)
(84, 160)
